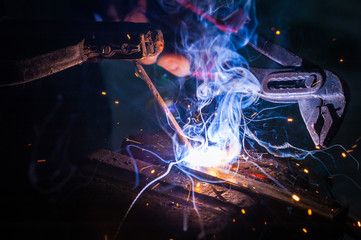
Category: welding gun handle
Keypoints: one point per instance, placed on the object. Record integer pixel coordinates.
(30, 69)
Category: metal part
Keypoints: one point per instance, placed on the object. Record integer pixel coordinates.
(288, 83)
(130, 41)
(319, 94)
(142, 73)
(275, 52)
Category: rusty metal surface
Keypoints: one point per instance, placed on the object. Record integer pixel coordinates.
(238, 183)
(224, 208)
(248, 177)
(249, 205)
(172, 195)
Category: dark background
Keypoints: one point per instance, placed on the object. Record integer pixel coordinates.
(64, 117)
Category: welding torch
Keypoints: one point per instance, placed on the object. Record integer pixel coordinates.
(60, 46)
(36, 49)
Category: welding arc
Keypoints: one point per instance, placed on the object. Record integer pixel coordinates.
(143, 75)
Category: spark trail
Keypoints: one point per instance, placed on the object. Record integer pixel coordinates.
(223, 78)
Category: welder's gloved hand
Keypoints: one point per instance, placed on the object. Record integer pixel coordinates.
(176, 64)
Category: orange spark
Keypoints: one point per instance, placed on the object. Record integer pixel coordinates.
(153, 171)
(309, 211)
(278, 32)
(41, 160)
(155, 186)
(296, 198)
(289, 119)
(314, 84)
(103, 93)
(304, 230)
(306, 170)
(116, 102)
(343, 154)
(243, 211)
(130, 140)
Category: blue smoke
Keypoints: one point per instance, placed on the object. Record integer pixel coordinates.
(207, 29)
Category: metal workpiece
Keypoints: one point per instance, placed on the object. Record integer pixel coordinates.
(245, 178)
(235, 199)
(172, 197)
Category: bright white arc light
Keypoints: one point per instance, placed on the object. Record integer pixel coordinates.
(209, 157)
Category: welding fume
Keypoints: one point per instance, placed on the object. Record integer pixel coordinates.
(56, 46)
(186, 102)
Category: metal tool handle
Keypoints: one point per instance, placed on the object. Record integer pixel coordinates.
(33, 50)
